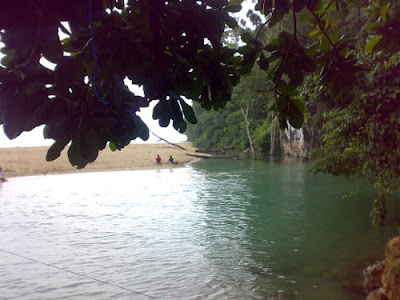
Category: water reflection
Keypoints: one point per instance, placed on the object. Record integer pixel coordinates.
(293, 246)
(216, 230)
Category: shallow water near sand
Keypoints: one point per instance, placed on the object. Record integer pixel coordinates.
(212, 230)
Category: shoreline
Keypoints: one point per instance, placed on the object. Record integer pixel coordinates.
(31, 161)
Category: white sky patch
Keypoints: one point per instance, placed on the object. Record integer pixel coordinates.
(47, 64)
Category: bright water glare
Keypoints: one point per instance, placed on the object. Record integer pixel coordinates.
(213, 230)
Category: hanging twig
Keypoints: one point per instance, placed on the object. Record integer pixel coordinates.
(95, 55)
(261, 27)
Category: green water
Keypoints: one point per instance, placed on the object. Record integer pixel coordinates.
(302, 234)
(215, 230)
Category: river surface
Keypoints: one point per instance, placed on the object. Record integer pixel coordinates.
(213, 230)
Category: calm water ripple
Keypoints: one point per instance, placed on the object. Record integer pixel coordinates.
(215, 230)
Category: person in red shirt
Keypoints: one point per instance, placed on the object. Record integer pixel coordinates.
(158, 159)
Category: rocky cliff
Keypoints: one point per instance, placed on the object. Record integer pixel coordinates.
(382, 280)
(293, 143)
(299, 142)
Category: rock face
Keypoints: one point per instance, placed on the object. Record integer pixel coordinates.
(299, 142)
(372, 276)
(372, 281)
(293, 143)
(382, 280)
(376, 295)
(391, 275)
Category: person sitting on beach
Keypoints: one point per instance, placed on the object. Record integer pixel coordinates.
(171, 160)
(158, 159)
(2, 179)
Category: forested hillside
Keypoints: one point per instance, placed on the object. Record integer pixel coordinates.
(351, 107)
(248, 110)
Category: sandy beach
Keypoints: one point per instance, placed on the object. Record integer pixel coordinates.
(30, 161)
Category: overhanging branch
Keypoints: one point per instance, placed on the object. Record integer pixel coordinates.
(167, 141)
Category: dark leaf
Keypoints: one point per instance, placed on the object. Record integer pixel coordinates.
(180, 126)
(53, 50)
(8, 60)
(157, 110)
(276, 18)
(263, 63)
(40, 116)
(233, 8)
(74, 154)
(282, 86)
(165, 116)
(246, 37)
(298, 5)
(283, 123)
(176, 114)
(294, 74)
(296, 117)
(234, 2)
(142, 129)
(231, 22)
(89, 149)
(55, 150)
(61, 127)
(277, 75)
(281, 7)
(283, 105)
(246, 49)
(112, 146)
(188, 112)
(266, 6)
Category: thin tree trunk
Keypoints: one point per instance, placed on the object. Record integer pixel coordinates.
(281, 140)
(247, 127)
(273, 130)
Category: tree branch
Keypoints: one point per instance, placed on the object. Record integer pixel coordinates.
(75, 104)
(259, 30)
(294, 23)
(167, 141)
(321, 27)
(33, 52)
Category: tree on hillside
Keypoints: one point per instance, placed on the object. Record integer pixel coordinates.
(362, 135)
(360, 128)
(253, 104)
(243, 123)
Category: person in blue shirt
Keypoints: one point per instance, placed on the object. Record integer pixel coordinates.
(171, 160)
(2, 179)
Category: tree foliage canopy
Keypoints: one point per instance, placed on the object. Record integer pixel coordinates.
(155, 44)
(225, 128)
(174, 50)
